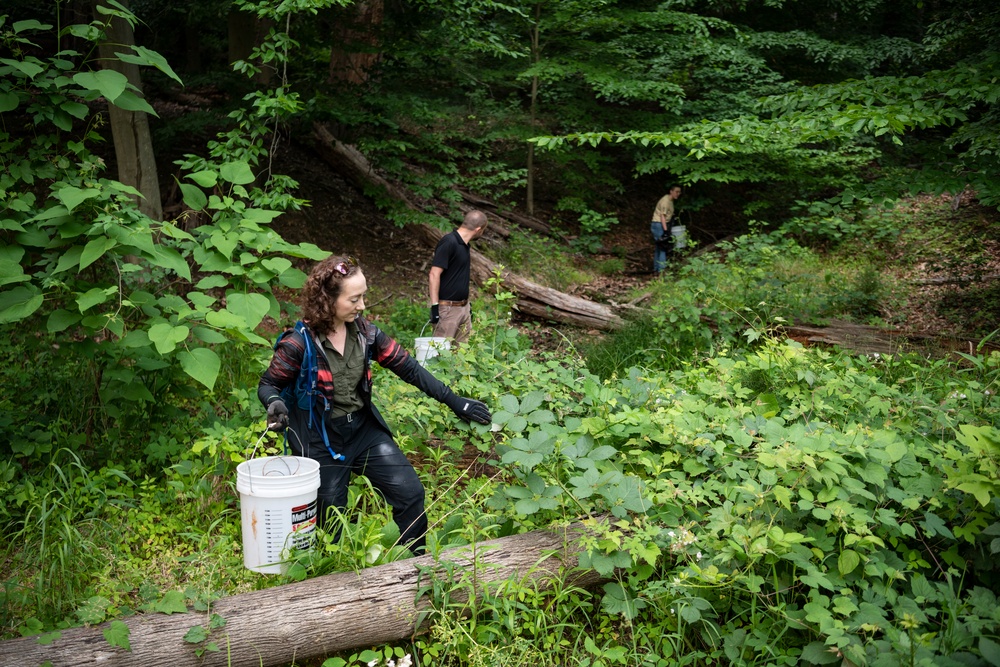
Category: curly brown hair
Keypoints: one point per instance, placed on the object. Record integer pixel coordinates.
(322, 289)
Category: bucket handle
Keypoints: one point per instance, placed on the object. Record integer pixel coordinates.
(424, 327)
(254, 453)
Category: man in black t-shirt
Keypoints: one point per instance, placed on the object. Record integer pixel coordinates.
(449, 279)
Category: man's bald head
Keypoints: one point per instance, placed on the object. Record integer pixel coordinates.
(474, 220)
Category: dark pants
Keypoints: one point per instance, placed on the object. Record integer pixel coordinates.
(370, 451)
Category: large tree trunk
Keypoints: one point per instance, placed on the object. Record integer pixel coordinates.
(130, 129)
(532, 298)
(314, 618)
(355, 50)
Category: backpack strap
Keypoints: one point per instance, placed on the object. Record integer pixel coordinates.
(306, 393)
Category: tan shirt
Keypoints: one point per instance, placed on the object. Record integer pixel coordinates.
(665, 207)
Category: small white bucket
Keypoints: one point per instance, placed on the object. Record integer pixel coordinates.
(679, 233)
(277, 507)
(429, 347)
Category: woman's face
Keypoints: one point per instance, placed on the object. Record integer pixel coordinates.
(351, 301)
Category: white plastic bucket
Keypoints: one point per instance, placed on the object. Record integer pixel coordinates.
(429, 347)
(277, 507)
(679, 233)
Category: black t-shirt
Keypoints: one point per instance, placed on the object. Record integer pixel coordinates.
(452, 255)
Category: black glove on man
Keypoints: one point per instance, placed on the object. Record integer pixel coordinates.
(435, 314)
(470, 409)
(277, 416)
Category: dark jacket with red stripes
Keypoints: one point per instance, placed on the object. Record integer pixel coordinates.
(375, 344)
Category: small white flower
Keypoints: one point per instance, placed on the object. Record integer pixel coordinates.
(671, 533)
(373, 663)
(699, 555)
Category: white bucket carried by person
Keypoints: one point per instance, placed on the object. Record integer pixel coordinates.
(277, 507)
(679, 235)
(428, 347)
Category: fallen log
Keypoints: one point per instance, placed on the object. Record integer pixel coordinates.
(532, 298)
(314, 618)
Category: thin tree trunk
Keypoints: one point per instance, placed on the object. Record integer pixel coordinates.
(130, 129)
(316, 618)
(532, 298)
(536, 56)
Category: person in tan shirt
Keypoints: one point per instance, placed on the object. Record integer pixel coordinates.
(660, 227)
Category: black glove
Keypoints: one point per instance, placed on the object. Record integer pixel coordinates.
(470, 409)
(435, 314)
(277, 416)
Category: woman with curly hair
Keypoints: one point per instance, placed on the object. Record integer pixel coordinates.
(332, 418)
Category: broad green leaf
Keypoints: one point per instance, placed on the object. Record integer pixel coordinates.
(193, 196)
(990, 650)
(48, 638)
(202, 364)
(172, 603)
(166, 336)
(848, 560)
(209, 336)
(95, 249)
(19, 303)
(8, 102)
(169, 258)
(117, 634)
(196, 634)
(895, 450)
(224, 319)
(818, 653)
(129, 101)
(510, 403)
(60, 320)
(250, 307)
(11, 272)
(144, 56)
(94, 296)
(109, 83)
(206, 179)
(29, 24)
(208, 282)
(72, 197)
(238, 173)
(224, 243)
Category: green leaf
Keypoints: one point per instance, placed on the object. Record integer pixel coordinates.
(238, 173)
(169, 258)
(196, 634)
(60, 320)
(193, 196)
(209, 282)
(206, 178)
(166, 336)
(11, 272)
(95, 249)
(509, 403)
(72, 197)
(8, 101)
(172, 603)
(895, 450)
(48, 638)
(29, 24)
(818, 653)
(117, 634)
(202, 364)
(109, 83)
(251, 307)
(990, 650)
(93, 297)
(129, 101)
(19, 303)
(848, 560)
(144, 56)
